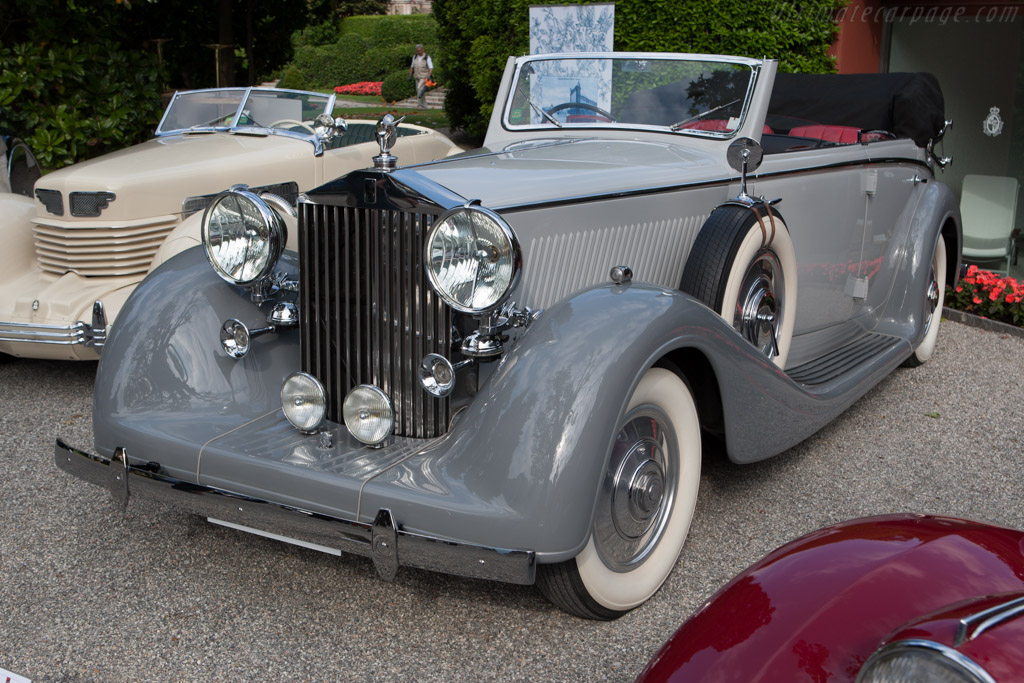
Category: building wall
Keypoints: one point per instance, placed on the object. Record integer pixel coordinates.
(858, 47)
(410, 7)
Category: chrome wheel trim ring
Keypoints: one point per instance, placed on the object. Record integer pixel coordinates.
(639, 490)
(761, 302)
(932, 294)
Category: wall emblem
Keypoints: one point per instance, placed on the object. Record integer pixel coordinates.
(993, 124)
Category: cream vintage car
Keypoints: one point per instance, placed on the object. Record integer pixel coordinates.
(75, 251)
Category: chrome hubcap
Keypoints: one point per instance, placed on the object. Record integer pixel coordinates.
(638, 492)
(760, 306)
(933, 298)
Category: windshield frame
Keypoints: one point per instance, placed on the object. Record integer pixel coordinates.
(755, 66)
(246, 94)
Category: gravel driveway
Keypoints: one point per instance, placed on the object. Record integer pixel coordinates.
(90, 594)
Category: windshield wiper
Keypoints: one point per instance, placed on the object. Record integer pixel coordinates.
(543, 113)
(679, 126)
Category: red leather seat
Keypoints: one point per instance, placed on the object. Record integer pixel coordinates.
(846, 135)
(715, 124)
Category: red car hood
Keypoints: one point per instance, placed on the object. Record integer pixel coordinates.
(815, 609)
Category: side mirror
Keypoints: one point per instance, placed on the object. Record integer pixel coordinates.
(744, 155)
(326, 127)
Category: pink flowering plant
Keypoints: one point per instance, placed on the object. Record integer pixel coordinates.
(362, 88)
(989, 295)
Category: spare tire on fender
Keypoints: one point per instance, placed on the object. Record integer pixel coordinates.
(743, 266)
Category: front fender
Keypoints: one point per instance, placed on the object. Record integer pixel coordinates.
(18, 255)
(817, 607)
(163, 365)
(535, 441)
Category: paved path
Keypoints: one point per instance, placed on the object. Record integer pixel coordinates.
(91, 595)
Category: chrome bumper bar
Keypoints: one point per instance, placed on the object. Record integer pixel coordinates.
(94, 335)
(383, 541)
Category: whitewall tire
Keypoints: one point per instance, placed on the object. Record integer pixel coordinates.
(935, 295)
(644, 507)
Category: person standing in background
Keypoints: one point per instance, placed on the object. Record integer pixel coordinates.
(422, 69)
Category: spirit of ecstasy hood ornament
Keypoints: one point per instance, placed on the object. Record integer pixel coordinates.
(387, 134)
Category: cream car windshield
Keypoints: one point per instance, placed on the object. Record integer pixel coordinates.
(243, 110)
(691, 96)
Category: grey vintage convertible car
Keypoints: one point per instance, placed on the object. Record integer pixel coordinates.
(501, 364)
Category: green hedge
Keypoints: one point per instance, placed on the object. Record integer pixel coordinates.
(476, 37)
(365, 48)
(393, 29)
(397, 86)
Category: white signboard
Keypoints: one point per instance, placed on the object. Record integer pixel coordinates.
(572, 28)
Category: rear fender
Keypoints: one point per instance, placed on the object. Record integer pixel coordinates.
(937, 217)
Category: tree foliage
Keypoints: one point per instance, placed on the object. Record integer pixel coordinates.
(72, 83)
(79, 78)
(476, 37)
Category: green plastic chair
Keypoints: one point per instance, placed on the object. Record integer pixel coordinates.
(988, 205)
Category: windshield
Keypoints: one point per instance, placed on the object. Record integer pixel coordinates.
(697, 96)
(240, 109)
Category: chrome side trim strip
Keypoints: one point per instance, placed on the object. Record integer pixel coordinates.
(147, 480)
(974, 625)
(583, 199)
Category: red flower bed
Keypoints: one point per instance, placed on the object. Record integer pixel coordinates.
(989, 295)
(363, 88)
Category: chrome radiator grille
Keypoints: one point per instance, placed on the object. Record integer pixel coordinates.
(99, 252)
(368, 314)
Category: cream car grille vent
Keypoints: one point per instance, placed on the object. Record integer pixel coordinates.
(99, 252)
(369, 315)
(287, 191)
(52, 200)
(90, 204)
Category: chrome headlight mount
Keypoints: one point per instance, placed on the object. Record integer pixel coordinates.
(474, 262)
(243, 237)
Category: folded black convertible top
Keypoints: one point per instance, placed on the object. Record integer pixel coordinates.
(908, 105)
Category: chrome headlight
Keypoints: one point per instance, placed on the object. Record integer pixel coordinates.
(921, 660)
(242, 236)
(473, 259)
(304, 401)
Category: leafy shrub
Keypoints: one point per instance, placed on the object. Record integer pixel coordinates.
(984, 293)
(68, 110)
(394, 29)
(476, 37)
(349, 60)
(293, 78)
(397, 86)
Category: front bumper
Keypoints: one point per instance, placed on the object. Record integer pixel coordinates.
(383, 541)
(81, 333)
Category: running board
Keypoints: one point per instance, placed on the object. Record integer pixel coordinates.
(871, 347)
